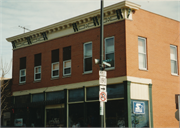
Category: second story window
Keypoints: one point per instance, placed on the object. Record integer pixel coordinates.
(22, 76)
(37, 67)
(173, 56)
(142, 53)
(67, 61)
(109, 50)
(55, 63)
(88, 57)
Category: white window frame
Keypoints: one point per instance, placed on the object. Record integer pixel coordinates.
(65, 68)
(86, 57)
(54, 70)
(109, 68)
(37, 73)
(145, 53)
(22, 76)
(174, 59)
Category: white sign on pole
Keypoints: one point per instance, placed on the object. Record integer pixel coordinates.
(101, 108)
(103, 96)
(102, 73)
(102, 80)
(102, 88)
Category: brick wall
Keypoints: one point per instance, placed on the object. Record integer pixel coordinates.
(76, 41)
(160, 33)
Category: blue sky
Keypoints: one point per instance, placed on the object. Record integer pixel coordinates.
(34, 14)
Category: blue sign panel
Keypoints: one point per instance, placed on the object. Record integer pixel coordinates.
(138, 107)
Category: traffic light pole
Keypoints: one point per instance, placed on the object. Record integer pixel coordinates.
(101, 55)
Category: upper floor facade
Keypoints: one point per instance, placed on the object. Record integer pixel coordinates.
(140, 44)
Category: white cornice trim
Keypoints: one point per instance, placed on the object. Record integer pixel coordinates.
(115, 80)
(69, 22)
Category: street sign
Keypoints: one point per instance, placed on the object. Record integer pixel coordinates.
(102, 80)
(102, 88)
(103, 96)
(102, 73)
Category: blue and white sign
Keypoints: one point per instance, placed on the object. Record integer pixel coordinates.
(138, 107)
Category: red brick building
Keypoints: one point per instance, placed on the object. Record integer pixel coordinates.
(55, 79)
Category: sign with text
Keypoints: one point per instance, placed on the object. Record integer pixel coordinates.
(102, 80)
(102, 73)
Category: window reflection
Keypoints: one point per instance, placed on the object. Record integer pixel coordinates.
(92, 93)
(115, 91)
(76, 95)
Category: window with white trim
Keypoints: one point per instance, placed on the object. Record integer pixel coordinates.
(37, 67)
(142, 53)
(55, 69)
(55, 63)
(67, 61)
(109, 51)
(88, 57)
(37, 73)
(22, 72)
(173, 56)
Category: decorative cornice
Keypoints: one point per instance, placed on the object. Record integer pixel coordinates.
(79, 23)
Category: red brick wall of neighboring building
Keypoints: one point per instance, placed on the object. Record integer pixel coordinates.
(76, 41)
(160, 33)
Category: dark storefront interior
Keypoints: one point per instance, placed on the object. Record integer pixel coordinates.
(82, 108)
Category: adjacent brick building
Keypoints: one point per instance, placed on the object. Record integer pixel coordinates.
(54, 70)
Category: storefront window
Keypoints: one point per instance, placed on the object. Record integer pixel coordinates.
(92, 93)
(38, 97)
(55, 95)
(37, 117)
(76, 95)
(55, 117)
(20, 117)
(93, 117)
(139, 113)
(115, 114)
(22, 99)
(76, 115)
(115, 91)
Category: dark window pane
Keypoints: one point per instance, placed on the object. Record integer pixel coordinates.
(67, 71)
(22, 99)
(140, 120)
(38, 76)
(55, 95)
(110, 56)
(76, 115)
(76, 95)
(55, 117)
(115, 114)
(23, 79)
(115, 91)
(23, 63)
(93, 93)
(93, 119)
(55, 56)
(88, 64)
(67, 53)
(37, 59)
(56, 73)
(38, 97)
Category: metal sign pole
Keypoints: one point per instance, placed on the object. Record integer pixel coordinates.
(101, 58)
